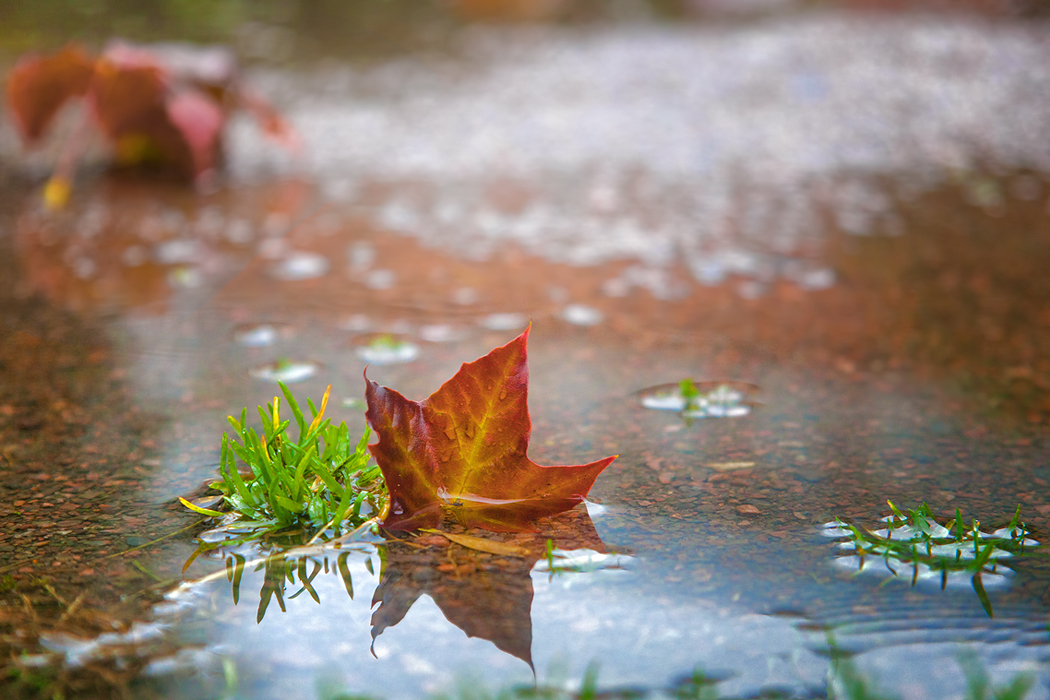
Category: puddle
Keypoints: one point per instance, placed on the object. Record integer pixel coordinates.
(702, 547)
(704, 551)
(874, 277)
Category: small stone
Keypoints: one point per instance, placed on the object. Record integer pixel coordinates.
(747, 508)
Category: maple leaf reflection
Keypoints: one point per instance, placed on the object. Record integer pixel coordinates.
(487, 596)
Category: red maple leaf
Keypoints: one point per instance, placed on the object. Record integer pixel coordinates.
(464, 449)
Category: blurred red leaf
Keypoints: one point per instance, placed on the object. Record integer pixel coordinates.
(463, 449)
(39, 86)
(162, 104)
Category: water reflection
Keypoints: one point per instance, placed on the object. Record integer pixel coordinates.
(486, 595)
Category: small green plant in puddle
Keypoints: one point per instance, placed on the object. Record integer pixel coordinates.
(688, 391)
(321, 479)
(714, 399)
(917, 543)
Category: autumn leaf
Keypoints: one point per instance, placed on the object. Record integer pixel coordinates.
(463, 450)
(164, 104)
(39, 86)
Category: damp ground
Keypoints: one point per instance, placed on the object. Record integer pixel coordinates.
(878, 312)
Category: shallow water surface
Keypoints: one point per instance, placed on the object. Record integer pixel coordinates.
(717, 519)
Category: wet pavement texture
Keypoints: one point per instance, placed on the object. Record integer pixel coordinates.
(856, 245)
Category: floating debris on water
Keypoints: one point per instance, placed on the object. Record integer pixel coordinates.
(286, 371)
(301, 266)
(711, 399)
(209, 502)
(504, 321)
(388, 350)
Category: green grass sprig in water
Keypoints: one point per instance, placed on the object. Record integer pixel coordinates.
(321, 479)
(917, 542)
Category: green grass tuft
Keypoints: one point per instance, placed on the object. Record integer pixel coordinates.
(320, 479)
